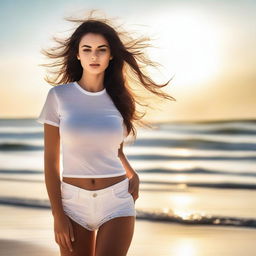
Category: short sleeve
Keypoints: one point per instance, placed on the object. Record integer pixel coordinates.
(50, 113)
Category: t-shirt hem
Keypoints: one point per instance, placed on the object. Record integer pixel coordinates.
(42, 121)
(93, 176)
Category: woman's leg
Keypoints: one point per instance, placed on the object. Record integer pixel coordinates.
(84, 244)
(114, 236)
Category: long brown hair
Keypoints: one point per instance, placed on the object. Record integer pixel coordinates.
(124, 70)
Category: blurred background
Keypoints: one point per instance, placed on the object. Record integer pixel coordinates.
(197, 166)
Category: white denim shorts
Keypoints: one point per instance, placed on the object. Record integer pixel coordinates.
(92, 208)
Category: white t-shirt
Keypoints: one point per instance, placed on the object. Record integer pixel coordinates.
(91, 130)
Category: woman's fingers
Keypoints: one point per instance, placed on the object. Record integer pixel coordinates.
(64, 241)
(68, 242)
(71, 232)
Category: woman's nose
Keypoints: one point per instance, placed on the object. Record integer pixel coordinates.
(94, 55)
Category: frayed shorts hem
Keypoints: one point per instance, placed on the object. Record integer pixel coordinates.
(98, 226)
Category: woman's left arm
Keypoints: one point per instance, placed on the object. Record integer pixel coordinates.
(133, 176)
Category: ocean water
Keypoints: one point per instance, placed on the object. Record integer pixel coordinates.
(196, 173)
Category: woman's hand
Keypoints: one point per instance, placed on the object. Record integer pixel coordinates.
(134, 182)
(63, 232)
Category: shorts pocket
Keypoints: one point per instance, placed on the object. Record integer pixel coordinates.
(121, 193)
(67, 194)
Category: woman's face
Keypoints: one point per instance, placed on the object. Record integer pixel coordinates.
(94, 49)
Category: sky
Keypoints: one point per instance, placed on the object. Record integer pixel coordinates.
(208, 46)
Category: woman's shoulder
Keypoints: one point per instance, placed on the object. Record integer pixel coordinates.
(61, 88)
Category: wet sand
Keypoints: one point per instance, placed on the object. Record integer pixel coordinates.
(26, 231)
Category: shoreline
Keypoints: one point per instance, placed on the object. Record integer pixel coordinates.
(32, 234)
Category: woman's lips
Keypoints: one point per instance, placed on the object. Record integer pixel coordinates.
(94, 65)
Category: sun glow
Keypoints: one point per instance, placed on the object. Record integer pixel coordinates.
(181, 203)
(190, 46)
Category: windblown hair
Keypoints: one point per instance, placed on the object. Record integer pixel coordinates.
(123, 72)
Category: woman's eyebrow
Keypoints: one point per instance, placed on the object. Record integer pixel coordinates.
(98, 46)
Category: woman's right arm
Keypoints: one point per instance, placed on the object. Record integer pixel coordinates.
(62, 226)
(51, 168)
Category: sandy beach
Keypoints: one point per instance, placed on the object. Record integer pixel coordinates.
(29, 232)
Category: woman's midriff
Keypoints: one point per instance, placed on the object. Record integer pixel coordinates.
(93, 183)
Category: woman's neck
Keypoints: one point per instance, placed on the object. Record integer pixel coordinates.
(92, 82)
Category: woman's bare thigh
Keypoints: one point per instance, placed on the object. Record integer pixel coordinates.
(114, 236)
(84, 243)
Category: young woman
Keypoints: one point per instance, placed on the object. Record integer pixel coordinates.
(88, 114)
